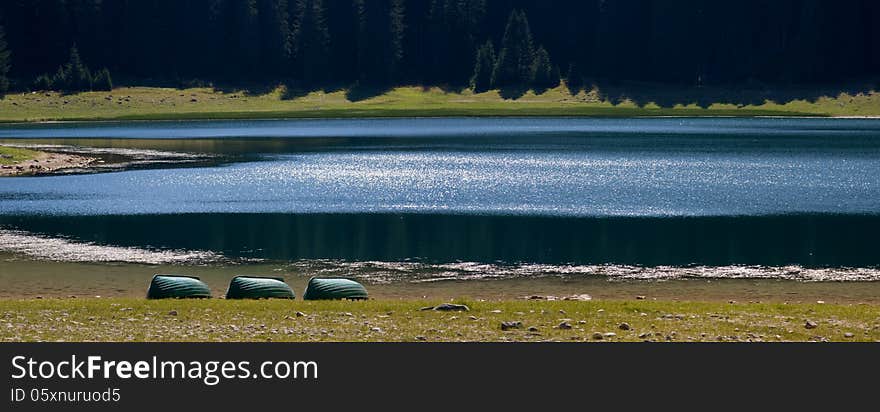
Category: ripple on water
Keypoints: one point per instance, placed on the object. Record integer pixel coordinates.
(393, 272)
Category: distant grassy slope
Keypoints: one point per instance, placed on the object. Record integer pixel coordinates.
(140, 103)
(12, 155)
(402, 320)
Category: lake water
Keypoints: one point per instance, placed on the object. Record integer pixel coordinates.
(453, 198)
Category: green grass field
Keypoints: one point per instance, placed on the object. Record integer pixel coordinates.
(402, 320)
(12, 155)
(141, 103)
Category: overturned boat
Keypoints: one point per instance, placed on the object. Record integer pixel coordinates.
(258, 287)
(177, 287)
(334, 288)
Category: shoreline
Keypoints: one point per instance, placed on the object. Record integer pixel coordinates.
(28, 279)
(46, 163)
(500, 116)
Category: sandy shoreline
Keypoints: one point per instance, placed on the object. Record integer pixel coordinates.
(46, 163)
(22, 278)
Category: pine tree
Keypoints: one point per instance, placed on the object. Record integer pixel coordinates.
(451, 45)
(5, 55)
(42, 82)
(514, 65)
(60, 79)
(77, 74)
(275, 35)
(241, 21)
(311, 42)
(574, 78)
(545, 76)
(72, 76)
(102, 80)
(380, 40)
(485, 63)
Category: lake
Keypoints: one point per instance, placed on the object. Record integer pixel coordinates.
(404, 200)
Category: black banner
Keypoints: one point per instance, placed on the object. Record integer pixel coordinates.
(332, 376)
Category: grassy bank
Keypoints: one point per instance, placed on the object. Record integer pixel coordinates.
(13, 155)
(141, 103)
(402, 320)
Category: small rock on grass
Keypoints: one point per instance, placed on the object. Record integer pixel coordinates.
(624, 326)
(598, 336)
(810, 324)
(172, 313)
(564, 325)
(511, 325)
(532, 329)
(610, 335)
(300, 314)
(848, 335)
(583, 297)
(641, 297)
(452, 307)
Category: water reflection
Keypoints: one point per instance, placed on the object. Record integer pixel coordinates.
(808, 240)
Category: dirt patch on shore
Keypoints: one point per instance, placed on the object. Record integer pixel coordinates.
(46, 163)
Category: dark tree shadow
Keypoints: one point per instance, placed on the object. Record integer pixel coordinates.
(664, 95)
(541, 89)
(335, 87)
(740, 95)
(453, 88)
(293, 91)
(576, 86)
(513, 92)
(248, 88)
(360, 92)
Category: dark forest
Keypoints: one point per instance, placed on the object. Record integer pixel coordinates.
(456, 43)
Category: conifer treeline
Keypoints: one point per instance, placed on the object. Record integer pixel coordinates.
(4, 62)
(486, 43)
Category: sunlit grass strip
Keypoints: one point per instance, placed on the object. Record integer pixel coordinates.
(395, 320)
(142, 103)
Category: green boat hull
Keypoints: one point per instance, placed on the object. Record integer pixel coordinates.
(335, 288)
(257, 287)
(177, 287)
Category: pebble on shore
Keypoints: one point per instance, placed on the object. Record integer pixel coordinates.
(511, 325)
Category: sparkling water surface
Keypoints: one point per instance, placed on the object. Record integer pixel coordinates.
(623, 198)
(545, 167)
